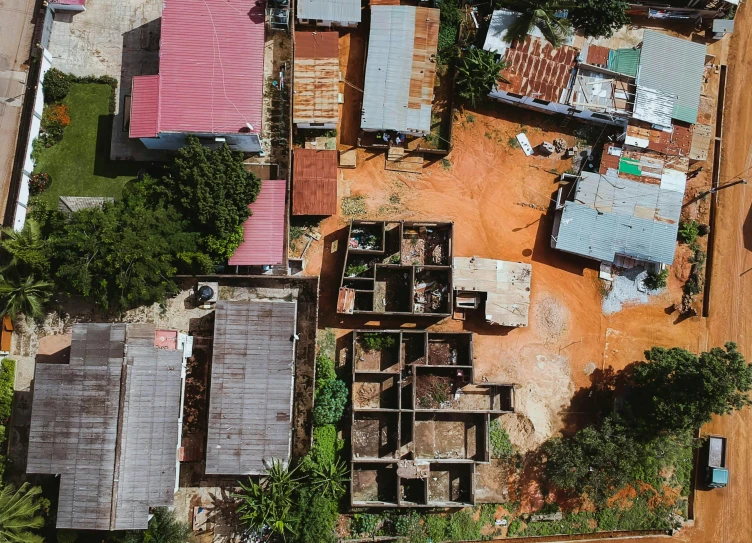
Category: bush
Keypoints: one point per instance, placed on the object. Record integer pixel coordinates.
(501, 446)
(655, 281)
(688, 231)
(330, 403)
(55, 85)
(7, 379)
(325, 371)
(462, 526)
(39, 182)
(67, 536)
(436, 527)
(515, 527)
(693, 285)
(365, 524)
(320, 514)
(374, 341)
(703, 230)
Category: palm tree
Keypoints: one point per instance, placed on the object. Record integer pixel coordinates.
(330, 478)
(540, 14)
(25, 248)
(477, 72)
(268, 506)
(26, 295)
(18, 514)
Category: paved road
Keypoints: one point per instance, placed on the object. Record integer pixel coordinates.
(15, 45)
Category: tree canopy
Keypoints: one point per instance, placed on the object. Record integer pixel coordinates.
(599, 17)
(541, 14)
(18, 514)
(477, 72)
(677, 390)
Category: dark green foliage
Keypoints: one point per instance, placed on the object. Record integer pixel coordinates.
(55, 85)
(22, 295)
(124, 254)
(324, 370)
(593, 461)
(599, 17)
(164, 527)
(449, 25)
(436, 527)
(540, 14)
(330, 478)
(326, 446)
(67, 536)
(330, 403)
(212, 189)
(365, 524)
(676, 390)
(703, 230)
(693, 286)
(374, 341)
(320, 515)
(477, 72)
(656, 280)
(7, 380)
(688, 231)
(501, 446)
(25, 251)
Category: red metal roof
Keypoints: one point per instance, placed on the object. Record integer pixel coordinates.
(211, 67)
(314, 185)
(144, 107)
(264, 231)
(537, 69)
(598, 55)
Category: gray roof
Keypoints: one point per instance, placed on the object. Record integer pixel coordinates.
(71, 204)
(613, 216)
(344, 11)
(675, 67)
(501, 20)
(74, 427)
(250, 403)
(390, 67)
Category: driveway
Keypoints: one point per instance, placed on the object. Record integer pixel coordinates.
(15, 47)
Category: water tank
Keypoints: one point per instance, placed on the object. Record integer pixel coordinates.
(204, 294)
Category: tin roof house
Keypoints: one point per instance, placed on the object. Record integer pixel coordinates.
(400, 69)
(210, 81)
(108, 424)
(329, 12)
(316, 83)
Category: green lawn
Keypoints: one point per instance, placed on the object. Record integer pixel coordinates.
(79, 164)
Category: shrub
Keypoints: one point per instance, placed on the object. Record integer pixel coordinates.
(703, 230)
(656, 280)
(693, 285)
(325, 371)
(67, 536)
(365, 524)
(39, 182)
(320, 515)
(377, 342)
(56, 114)
(7, 379)
(330, 403)
(515, 527)
(688, 231)
(355, 269)
(501, 446)
(462, 526)
(436, 527)
(55, 85)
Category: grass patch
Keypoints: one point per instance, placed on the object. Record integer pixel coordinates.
(446, 164)
(80, 163)
(513, 143)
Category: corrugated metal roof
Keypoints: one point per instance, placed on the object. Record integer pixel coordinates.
(314, 185)
(343, 11)
(598, 55)
(400, 69)
(250, 403)
(535, 68)
(673, 66)
(654, 106)
(624, 61)
(211, 67)
(71, 204)
(501, 20)
(613, 216)
(74, 426)
(144, 107)
(316, 83)
(674, 143)
(264, 231)
(69, 2)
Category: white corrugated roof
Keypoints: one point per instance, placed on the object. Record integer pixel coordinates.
(345, 11)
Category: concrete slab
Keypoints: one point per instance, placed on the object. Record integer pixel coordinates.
(15, 47)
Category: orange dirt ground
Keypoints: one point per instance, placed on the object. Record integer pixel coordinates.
(498, 200)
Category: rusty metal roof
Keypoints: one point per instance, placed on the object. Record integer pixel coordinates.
(537, 69)
(597, 55)
(676, 143)
(250, 403)
(116, 378)
(316, 83)
(314, 185)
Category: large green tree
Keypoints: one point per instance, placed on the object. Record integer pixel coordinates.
(540, 14)
(125, 254)
(25, 295)
(18, 514)
(164, 527)
(477, 72)
(599, 17)
(25, 250)
(677, 390)
(212, 190)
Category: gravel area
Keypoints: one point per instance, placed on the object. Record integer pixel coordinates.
(627, 288)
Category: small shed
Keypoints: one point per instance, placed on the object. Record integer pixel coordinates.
(314, 186)
(316, 83)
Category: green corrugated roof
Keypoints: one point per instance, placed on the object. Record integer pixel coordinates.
(629, 165)
(624, 61)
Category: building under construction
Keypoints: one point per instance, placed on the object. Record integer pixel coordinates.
(420, 422)
(401, 268)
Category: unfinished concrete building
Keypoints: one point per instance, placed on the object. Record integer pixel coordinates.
(420, 423)
(399, 267)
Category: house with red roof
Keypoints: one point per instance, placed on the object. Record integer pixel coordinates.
(210, 81)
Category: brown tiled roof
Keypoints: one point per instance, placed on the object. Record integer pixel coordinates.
(597, 55)
(316, 81)
(677, 143)
(314, 186)
(537, 69)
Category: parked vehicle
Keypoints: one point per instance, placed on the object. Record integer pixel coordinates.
(716, 474)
